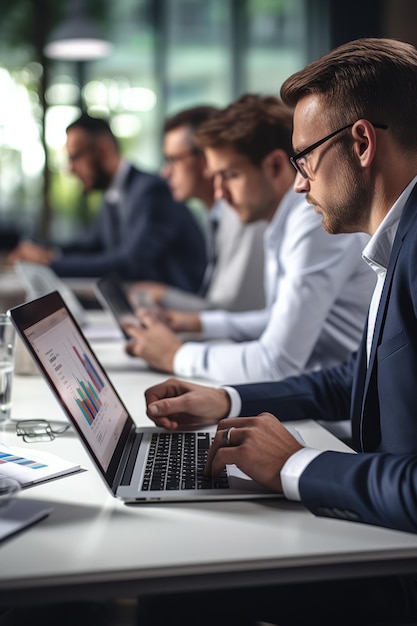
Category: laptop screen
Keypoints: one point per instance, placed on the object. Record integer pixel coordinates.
(111, 294)
(77, 379)
(40, 279)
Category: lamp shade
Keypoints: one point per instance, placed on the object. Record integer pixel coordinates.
(77, 38)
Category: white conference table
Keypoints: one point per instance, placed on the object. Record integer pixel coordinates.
(93, 546)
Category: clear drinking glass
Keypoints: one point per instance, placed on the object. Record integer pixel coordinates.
(9, 488)
(7, 355)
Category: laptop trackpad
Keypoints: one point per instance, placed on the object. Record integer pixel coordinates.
(241, 481)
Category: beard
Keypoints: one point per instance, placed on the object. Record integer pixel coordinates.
(102, 179)
(349, 210)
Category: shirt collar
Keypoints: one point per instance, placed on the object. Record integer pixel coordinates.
(114, 193)
(378, 249)
(216, 211)
(289, 200)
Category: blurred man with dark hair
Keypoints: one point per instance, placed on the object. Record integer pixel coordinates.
(140, 232)
(233, 278)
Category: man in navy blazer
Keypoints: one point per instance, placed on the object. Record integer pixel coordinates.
(355, 137)
(140, 232)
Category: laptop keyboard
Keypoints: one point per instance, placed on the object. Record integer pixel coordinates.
(176, 461)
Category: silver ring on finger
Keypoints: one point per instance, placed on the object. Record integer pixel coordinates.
(227, 441)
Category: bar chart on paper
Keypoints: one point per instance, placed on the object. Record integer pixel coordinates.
(22, 461)
(33, 467)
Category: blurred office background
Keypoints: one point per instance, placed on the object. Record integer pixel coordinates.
(159, 57)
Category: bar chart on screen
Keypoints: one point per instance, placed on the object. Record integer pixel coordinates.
(79, 378)
(81, 386)
(79, 381)
(88, 391)
(88, 401)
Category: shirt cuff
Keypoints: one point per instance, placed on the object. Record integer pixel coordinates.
(213, 325)
(186, 359)
(292, 470)
(235, 401)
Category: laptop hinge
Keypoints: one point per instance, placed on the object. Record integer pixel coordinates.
(128, 457)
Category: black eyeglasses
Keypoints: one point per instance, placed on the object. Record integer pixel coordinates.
(300, 165)
(38, 430)
(172, 160)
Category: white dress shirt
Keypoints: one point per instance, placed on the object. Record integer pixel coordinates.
(115, 194)
(236, 278)
(376, 254)
(317, 295)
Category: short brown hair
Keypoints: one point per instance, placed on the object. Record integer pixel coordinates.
(254, 125)
(193, 117)
(369, 78)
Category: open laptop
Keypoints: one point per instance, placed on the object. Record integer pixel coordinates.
(38, 280)
(111, 294)
(137, 464)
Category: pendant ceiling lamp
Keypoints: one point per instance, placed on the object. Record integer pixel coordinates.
(77, 38)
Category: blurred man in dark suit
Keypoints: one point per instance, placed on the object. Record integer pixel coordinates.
(140, 232)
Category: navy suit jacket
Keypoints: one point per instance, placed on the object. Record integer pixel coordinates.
(379, 485)
(157, 240)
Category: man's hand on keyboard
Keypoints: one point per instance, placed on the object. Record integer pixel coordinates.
(259, 446)
(177, 404)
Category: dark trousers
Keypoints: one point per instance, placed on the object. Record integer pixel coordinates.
(359, 602)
